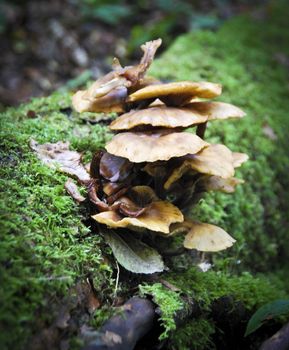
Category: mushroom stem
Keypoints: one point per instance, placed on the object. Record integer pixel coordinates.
(201, 129)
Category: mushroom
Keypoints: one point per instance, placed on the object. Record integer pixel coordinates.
(239, 159)
(149, 147)
(177, 93)
(161, 116)
(114, 168)
(217, 183)
(216, 110)
(109, 93)
(207, 237)
(211, 160)
(157, 217)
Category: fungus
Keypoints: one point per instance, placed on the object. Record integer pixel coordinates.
(153, 169)
(141, 147)
(177, 93)
(158, 217)
(207, 237)
(217, 183)
(161, 116)
(108, 94)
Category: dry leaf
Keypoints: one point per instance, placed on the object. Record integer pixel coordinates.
(73, 190)
(58, 156)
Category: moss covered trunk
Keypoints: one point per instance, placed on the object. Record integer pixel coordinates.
(46, 248)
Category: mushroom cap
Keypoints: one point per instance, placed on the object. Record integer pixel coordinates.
(217, 183)
(162, 116)
(216, 110)
(187, 88)
(207, 238)
(157, 217)
(212, 160)
(149, 147)
(114, 168)
(113, 101)
(239, 159)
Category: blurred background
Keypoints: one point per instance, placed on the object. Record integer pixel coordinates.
(47, 45)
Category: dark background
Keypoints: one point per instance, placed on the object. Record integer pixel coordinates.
(48, 44)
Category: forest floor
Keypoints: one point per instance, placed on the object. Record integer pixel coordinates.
(47, 45)
(59, 279)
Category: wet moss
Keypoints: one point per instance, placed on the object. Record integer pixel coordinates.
(45, 247)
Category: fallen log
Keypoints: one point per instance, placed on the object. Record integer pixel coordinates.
(279, 341)
(122, 331)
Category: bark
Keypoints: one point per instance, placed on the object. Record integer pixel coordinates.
(123, 330)
(279, 341)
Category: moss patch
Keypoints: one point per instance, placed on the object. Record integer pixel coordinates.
(169, 303)
(45, 247)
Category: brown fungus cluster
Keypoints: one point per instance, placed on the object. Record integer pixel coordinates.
(153, 170)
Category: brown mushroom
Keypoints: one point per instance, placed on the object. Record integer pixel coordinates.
(216, 110)
(162, 116)
(149, 147)
(114, 168)
(207, 237)
(239, 159)
(157, 217)
(108, 94)
(217, 183)
(177, 93)
(212, 160)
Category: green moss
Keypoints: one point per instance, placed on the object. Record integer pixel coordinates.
(206, 287)
(45, 247)
(169, 303)
(242, 56)
(194, 335)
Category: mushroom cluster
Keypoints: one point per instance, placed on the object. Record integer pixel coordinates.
(153, 169)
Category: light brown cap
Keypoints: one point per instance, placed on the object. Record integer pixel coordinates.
(162, 116)
(216, 110)
(187, 89)
(217, 183)
(157, 217)
(239, 159)
(149, 147)
(212, 160)
(207, 238)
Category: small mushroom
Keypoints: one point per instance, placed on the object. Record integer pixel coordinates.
(161, 116)
(216, 110)
(114, 168)
(212, 160)
(157, 217)
(108, 94)
(149, 147)
(177, 93)
(217, 183)
(239, 159)
(207, 238)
